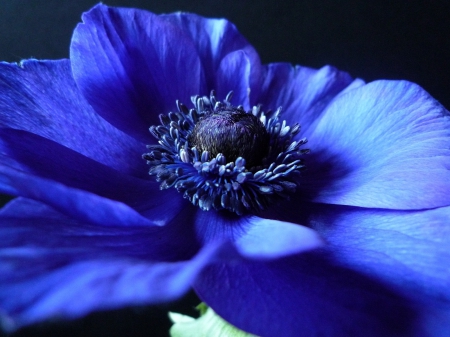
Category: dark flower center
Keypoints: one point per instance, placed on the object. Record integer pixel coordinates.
(233, 133)
(223, 157)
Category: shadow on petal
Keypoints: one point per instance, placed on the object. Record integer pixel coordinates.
(305, 295)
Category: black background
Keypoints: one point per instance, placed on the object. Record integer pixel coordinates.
(369, 39)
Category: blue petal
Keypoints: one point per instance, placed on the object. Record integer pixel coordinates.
(406, 249)
(212, 226)
(55, 266)
(52, 265)
(302, 92)
(28, 223)
(385, 144)
(56, 169)
(385, 269)
(75, 290)
(41, 97)
(234, 74)
(271, 239)
(304, 295)
(254, 237)
(77, 203)
(215, 39)
(131, 66)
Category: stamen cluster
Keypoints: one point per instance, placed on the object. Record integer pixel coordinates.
(213, 181)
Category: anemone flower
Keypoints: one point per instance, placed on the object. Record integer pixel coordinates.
(350, 239)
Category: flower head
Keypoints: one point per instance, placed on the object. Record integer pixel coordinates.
(355, 244)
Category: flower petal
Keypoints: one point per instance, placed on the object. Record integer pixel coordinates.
(80, 288)
(132, 66)
(303, 295)
(406, 249)
(77, 203)
(41, 97)
(302, 92)
(215, 39)
(52, 265)
(271, 239)
(49, 260)
(385, 144)
(81, 178)
(28, 223)
(254, 237)
(37, 155)
(234, 75)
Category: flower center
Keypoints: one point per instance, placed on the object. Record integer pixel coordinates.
(223, 157)
(233, 133)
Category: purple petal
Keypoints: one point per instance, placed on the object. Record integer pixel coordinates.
(385, 269)
(31, 153)
(302, 92)
(77, 289)
(215, 39)
(52, 265)
(80, 204)
(304, 295)
(254, 237)
(406, 249)
(41, 97)
(27, 223)
(131, 66)
(81, 176)
(271, 239)
(385, 144)
(236, 73)
(52, 261)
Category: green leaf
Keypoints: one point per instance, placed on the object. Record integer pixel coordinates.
(209, 324)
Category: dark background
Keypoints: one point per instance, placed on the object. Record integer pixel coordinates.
(369, 39)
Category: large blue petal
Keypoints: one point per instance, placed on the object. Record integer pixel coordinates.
(234, 74)
(302, 92)
(302, 296)
(215, 39)
(79, 175)
(406, 249)
(27, 223)
(131, 66)
(41, 97)
(385, 144)
(52, 265)
(80, 204)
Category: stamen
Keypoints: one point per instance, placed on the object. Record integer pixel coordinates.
(222, 157)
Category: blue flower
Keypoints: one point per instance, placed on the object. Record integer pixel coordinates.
(352, 241)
